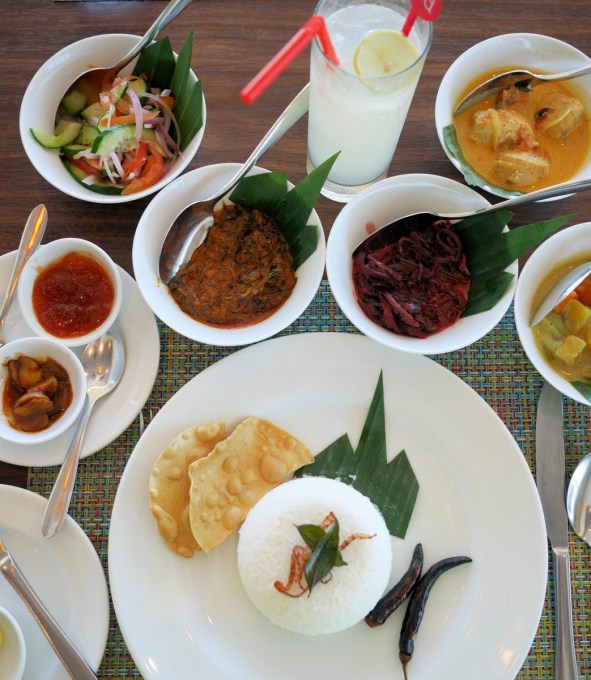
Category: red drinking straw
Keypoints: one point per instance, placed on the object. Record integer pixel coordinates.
(426, 9)
(315, 26)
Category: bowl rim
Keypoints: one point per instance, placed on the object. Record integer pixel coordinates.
(535, 266)
(21, 652)
(45, 255)
(146, 249)
(340, 278)
(40, 157)
(66, 357)
(452, 84)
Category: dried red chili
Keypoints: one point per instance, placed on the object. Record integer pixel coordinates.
(412, 279)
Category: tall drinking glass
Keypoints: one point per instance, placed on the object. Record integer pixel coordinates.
(359, 107)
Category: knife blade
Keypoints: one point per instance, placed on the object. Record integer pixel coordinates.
(550, 479)
(71, 658)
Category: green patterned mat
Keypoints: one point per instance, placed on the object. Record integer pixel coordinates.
(495, 367)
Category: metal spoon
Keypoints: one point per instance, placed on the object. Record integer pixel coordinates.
(572, 187)
(520, 78)
(170, 12)
(578, 499)
(30, 240)
(191, 225)
(561, 290)
(103, 361)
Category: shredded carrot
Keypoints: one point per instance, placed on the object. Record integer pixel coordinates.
(151, 173)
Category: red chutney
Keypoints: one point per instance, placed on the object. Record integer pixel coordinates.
(73, 296)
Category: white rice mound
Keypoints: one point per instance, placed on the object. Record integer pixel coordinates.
(269, 535)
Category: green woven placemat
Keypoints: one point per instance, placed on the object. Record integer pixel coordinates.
(495, 367)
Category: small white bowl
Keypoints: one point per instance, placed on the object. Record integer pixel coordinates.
(13, 652)
(566, 244)
(41, 348)
(44, 93)
(147, 246)
(43, 257)
(385, 202)
(502, 53)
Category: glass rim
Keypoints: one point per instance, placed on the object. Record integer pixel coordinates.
(377, 79)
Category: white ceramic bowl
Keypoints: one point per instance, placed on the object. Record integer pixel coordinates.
(147, 245)
(388, 200)
(49, 253)
(43, 95)
(564, 245)
(40, 348)
(502, 53)
(13, 652)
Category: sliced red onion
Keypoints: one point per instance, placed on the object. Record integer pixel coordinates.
(138, 114)
(118, 166)
(167, 110)
(105, 164)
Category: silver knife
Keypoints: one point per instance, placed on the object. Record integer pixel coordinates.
(70, 657)
(550, 482)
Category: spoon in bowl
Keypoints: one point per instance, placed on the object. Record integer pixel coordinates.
(30, 240)
(170, 12)
(520, 78)
(191, 225)
(578, 499)
(103, 361)
(572, 187)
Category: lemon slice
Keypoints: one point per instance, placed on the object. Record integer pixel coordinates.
(382, 53)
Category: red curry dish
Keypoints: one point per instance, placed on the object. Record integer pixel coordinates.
(412, 279)
(241, 273)
(73, 296)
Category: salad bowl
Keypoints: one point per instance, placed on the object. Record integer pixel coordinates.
(42, 99)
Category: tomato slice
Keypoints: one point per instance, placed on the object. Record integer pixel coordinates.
(138, 161)
(151, 172)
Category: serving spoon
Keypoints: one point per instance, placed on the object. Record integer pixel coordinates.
(30, 240)
(170, 12)
(103, 361)
(572, 187)
(520, 78)
(191, 225)
(578, 499)
(561, 290)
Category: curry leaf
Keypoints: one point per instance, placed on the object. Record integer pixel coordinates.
(324, 556)
(392, 486)
(159, 66)
(290, 209)
(489, 251)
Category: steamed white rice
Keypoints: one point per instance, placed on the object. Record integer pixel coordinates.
(269, 535)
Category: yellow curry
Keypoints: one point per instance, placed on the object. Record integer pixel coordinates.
(522, 140)
(564, 335)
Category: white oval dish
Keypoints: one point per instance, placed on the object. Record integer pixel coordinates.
(147, 245)
(46, 255)
(13, 651)
(561, 246)
(43, 95)
(40, 348)
(504, 52)
(386, 201)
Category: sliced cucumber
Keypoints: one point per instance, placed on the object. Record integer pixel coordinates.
(92, 113)
(117, 138)
(56, 141)
(74, 148)
(98, 186)
(118, 91)
(74, 102)
(87, 135)
(140, 87)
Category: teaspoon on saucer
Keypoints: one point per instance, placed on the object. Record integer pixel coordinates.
(578, 499)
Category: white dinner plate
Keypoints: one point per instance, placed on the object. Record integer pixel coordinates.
(191, 618)
(114, 413)
(66, 574)
(147, 247)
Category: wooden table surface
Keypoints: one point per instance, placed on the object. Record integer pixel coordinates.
(233, 40)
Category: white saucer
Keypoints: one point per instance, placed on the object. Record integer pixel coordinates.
(114, 413)
(66, 574)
